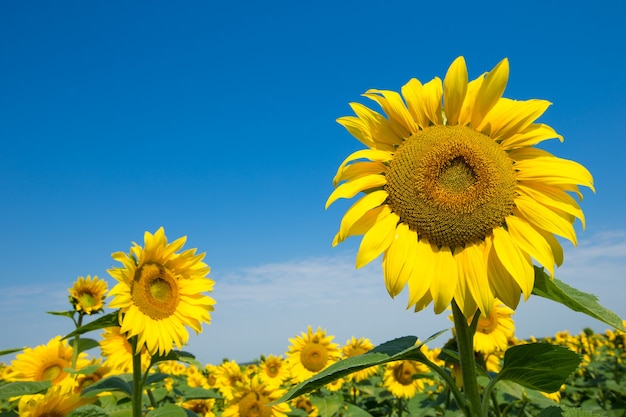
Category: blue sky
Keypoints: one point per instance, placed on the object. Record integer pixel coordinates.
(217, 121)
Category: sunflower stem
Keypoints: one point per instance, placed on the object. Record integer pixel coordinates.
(137, 379)
(465, 343)
(78, 323)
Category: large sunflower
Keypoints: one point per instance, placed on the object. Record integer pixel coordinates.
(160, 291)
(457, 198)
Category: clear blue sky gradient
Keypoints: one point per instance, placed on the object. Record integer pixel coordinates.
(216, 120)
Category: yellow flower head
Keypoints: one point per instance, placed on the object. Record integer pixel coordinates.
(457, 198)
(311, 353)
(356, 347)
(160, 291)
(119, 353)
(250, 399)
(493, 331)
(58, 401)
(45, 362)
(227, 376)
(273, 370)
(400, 378)
(87, 294)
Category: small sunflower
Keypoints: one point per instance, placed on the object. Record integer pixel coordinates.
(311, 353)
(457, 198)
(303, 402)
(87, 295)
(160, 291)
(493, 331)
(251, 398)
(58, 401)
(46, 362)
(400, 378)
(227, 376)
(118, 352)
(273, 370)
(202, 407)
(356, 347)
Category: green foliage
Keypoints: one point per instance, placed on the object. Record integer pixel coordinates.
(17, 389)
(108, 320)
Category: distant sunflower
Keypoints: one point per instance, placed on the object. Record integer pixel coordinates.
(457, 198)
(118, 352)
(46, 362)
(251, 398)
(356, 347)
(227, 376)
(160, 291)
(493, 331)
(401, 378)
(202, 407)
(58, 401)
(311, 353)
(273, 370)
(87, 295)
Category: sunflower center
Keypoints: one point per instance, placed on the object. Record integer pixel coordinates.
(52, 372)
(87, 300)
(314, 357)
(253, 405)
(451, 184)
(155, 291)
(487, 325)
(272, 370)
(403, 373)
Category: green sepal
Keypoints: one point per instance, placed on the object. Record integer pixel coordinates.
(108, 320)
(539, 366)
(17, 389)
(556, 290)
(403, 348)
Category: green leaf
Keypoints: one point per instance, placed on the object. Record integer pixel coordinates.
(85, 344)
(327, 405)
(168, 410)
(556, 290)
(351, 410)
(113, 383)
(87, 370)
(108, 320)
(175, 355)
(17, 389)
(551, 412)
(578, 412)
(403, 348)
(156, 377)
(539, 366)
(69, 314)
(88, 411)
(11, 350)
(198, 393)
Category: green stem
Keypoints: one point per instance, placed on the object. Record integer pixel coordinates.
(137, 379)
(76, 340)
(465, 344)
(456, 392)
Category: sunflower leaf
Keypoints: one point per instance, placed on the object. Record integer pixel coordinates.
(108, 320)
(539, 366)
(403, 348)
(17, 389)
(9, 351)
(168, 410)
(556, 290)
(113, 383)
(89, 411)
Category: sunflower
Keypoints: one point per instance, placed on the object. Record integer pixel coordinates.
(401, 378)
(159, 292)
(493, 331)
(457, 198)
(355, 347)
(310, 353)
(118, 352)
(251, 398)
(87, 294)
(202, 407)
(273, 370)
(227, 376)
(46, 362)
(58, 401)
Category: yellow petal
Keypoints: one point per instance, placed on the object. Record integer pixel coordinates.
(532, 135)
(545, 218)
(412, 93)
(490, 92)
(396, 259)
(551, 196)
(470, 97)
(377, 239)
(551, 170)
(359, 169)
(352, 188)
(399, 117)
(504, 286)
(423, 302)
(432, 93)
(516, 262)
(423, 270)
(365, 223)
(555, 246)
(371, 154)
(358, 210)
(509, 117)
(464, 299)
(528, 239)
(380, 128)
(473, 270)
(454, 89)
(445, 282)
